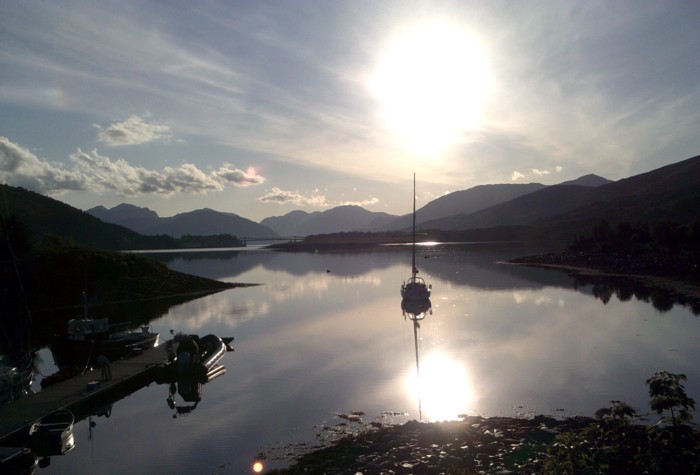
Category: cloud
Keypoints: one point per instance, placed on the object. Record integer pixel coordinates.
(132, 131)
(238, 177)
(282, 197)
(99, 173)
(539, 172)
(20, 167)
(123, 178)
(536, 172)
(370, 201)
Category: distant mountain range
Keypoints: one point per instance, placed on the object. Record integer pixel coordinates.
(668, 193)
(197, 223)
(335, 220)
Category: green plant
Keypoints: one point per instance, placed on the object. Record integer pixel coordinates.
(668, 394)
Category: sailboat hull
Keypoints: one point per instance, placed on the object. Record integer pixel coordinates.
(415, 289)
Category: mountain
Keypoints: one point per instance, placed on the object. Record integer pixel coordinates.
(547, 202)
(197, 223)
(46, 216)
(668, 193)
(464, 202)
(291, 224)
(588, 180)
(338, 219)
(130, 216)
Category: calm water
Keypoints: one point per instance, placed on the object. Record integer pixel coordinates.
(325, 335)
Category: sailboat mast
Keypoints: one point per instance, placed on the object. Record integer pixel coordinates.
(413, 268)
(415, 340)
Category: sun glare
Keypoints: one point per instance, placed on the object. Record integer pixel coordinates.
(431, 82)
(442, 388)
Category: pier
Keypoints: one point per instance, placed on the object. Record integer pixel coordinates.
(81, 394)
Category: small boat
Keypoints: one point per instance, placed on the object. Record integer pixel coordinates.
(17, 461)
(415, 287)
(197, 358)
(193, 363)
(53, 434)
(86, 338)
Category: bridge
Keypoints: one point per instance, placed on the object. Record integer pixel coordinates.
(247, 239)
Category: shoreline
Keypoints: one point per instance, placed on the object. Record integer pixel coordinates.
(684, 291)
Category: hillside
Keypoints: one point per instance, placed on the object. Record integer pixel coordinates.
(59, 276)
(526, 209)
(668, 193)
(199, 222)
(46, 216)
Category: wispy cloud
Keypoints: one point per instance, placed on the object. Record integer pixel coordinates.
(132, 131)
(93, 171)
(282, 197)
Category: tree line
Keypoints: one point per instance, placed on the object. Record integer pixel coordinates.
(639, 237)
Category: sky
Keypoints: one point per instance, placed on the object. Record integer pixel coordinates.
(260, 108)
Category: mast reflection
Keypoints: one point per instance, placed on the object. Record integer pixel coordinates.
(415, 311)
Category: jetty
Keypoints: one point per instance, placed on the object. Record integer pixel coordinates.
(81, 395)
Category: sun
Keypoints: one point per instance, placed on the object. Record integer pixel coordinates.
(431, 81)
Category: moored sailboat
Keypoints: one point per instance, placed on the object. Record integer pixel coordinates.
(415, 287)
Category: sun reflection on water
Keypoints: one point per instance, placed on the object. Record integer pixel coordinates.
(442, 387)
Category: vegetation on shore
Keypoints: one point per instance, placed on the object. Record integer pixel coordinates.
(664, 249)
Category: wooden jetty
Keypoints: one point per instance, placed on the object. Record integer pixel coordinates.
(80, 394)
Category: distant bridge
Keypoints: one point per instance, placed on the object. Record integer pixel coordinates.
(247, 239)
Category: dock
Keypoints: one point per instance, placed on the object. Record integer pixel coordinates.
(81, 394)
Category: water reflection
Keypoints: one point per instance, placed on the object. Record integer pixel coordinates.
(471, 265)
(662, 299)
(440, 384)
(415, 311)
(502, 340)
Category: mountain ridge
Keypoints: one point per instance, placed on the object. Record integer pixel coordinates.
(199, 222)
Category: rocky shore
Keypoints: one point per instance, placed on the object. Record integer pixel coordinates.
(472, 445)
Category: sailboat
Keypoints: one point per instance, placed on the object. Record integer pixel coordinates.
(415, 287)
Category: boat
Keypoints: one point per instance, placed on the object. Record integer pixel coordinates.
(17, 461)
(53, 434)
(193, 363)
(415, 287)
(85, 339)
(416, 309)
